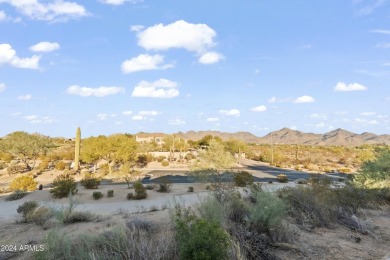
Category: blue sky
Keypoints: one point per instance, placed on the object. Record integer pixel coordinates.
(113, 66)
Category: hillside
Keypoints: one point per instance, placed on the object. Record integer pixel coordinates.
(289, 136)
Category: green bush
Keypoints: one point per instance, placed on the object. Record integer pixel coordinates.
(23, 183)
(243, 178)
(190, 156)
(26, 209)
(140, 191)
(63, 185)
(267, 213)
(97, 195)
(161, 158)
(60, 165)
(282, 178)
(17, 194)
(90, 181)
(44, 165)
(200, 239)
(164, 185)
(110, 193)
(150, 186)
(6, 157)
(165, 163)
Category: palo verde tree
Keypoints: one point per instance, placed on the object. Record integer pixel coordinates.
(113, 149)
(215, 160)
(26, 147)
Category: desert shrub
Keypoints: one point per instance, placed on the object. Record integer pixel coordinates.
(198, 238)
(140, 191)
(267, 213)
(237, 210)
(3, 165)
(26, 209)
(165, 163)
(164, 185)
(161, 158)
(243, 178)
(110, 193)
(17, 194)
(211, 209)
(63, 185)
(143, 160)
(130, 196)
(190, 189)
(44, 165)
(344, 170)
(375, 173)
(190, 156)
(24, 183)
(40, 215)
(60, 165)
(137, 224)
(40, 187)
(301, 181)
(90, 181)
(14, 168)
(97, 195)
(282, 178)
(78, 216)
(6, 157)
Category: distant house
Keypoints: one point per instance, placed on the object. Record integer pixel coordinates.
(158, 138)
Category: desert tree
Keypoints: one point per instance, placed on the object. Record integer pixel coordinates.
(119, 148)
(26, 147)
(214, 161)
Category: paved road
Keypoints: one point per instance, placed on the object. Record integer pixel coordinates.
(261, 172)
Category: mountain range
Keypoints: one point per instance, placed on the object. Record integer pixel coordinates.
(289, 136)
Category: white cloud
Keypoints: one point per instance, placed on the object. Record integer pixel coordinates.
(322, 124)
(2, 87)
(232, 112)
(176, 122)
(119, 2)
(259, 109)
(45, 47)
(369, 6)
(138, 118)
(97, 92)
(8, 56)
(145, 62)
(180, 34)
(25, 97)
(136, 28)
(381, 31)
(162, 88)
(272, 100)
(257, 71)
(210, 57)
(318, 116)
(127, 113)
(34, 119)
(383, 45)
(292, 127)
(102, 117)
(57, 10)
(304, 99)
(149, 113)
(3, 15)
(368, 113)
(342, 87)
(212, 119)
(366, 122)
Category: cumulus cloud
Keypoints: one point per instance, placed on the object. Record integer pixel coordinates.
(210, 57)
(119, 2)
(145, 62)
(3, 16)
(149, 113)
(25, 97)
(136, 28)
(180, 34)
(2, 87)
(232, 112)
(212, 119)
(304, 99)
(127, 113)
(162, 88)
(57, 10)
(45, 47)
(97, 92)
(8, 56)
(176, 122)
(34, 119)
(138, 117)
(342, 87)
(261, 108)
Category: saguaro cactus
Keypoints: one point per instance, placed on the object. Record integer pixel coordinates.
(77, 149)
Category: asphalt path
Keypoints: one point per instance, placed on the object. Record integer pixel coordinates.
(260, 171)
